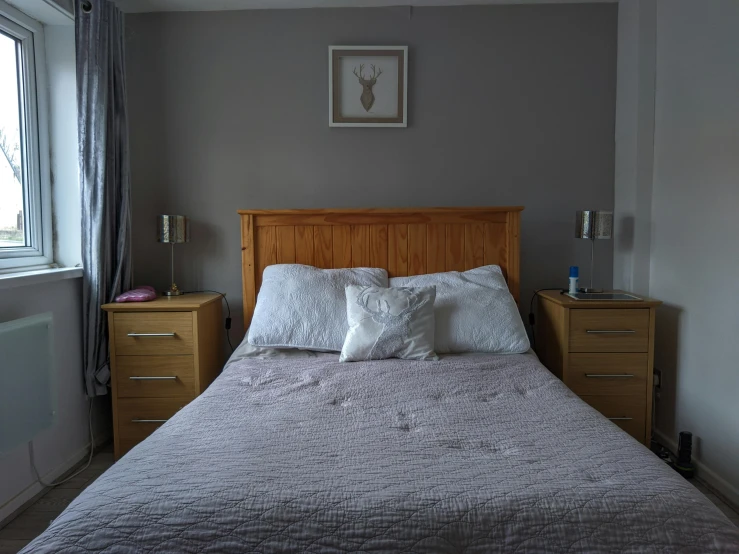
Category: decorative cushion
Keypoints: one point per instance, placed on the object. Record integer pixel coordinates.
(300, 306)
(140, 294)
(474, 311)
(389, 323)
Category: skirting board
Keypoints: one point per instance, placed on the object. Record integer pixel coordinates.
(705, 474)
(30, 494)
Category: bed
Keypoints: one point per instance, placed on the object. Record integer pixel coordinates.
(294, 451)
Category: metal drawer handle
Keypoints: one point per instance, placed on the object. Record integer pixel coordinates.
(609, 331)
(144, 378)
(600, 375)
(620, 418)
(148, 421)
(151, 334)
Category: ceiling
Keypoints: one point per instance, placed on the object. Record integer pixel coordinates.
(137, 6)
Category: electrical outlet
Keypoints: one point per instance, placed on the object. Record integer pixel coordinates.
(657, 379)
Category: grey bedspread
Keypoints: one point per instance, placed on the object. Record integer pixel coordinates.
(467, 454)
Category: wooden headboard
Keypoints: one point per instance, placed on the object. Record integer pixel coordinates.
(403, 241)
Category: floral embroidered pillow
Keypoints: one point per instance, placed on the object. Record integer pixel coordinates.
(389, 323)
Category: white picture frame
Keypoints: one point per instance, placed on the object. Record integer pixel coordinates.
(368, 86)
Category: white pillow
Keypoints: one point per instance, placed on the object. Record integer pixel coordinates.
(300, 306)
(389, 323)
(474, 311)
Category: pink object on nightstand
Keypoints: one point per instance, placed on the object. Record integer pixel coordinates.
(139, 294)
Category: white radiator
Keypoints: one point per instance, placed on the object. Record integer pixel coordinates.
(27, 387)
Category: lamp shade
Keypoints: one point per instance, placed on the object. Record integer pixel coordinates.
(173, 229)
(593, 224)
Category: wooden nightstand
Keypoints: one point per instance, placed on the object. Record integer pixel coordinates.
(604, 352)
(163, 354)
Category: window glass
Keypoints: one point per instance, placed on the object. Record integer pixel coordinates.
(13, 223)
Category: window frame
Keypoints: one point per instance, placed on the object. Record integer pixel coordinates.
(35, 136)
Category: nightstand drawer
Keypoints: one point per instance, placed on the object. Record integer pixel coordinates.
(628, 412)
(140, 417)
(606, 330)
(153, 333)
(607, 374)
(155, 376)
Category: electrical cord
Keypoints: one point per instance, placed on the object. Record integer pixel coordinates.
(228, 317)
(76, 473)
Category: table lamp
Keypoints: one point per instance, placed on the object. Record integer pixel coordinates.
(593, 224)
(173, 229)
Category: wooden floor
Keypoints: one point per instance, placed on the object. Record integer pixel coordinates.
(730, 512)
(37, 517)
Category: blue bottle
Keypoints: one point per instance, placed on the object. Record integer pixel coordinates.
(574, 274)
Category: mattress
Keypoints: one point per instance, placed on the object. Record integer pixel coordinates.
(467, 454)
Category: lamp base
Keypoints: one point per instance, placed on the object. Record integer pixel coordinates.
(589, 290)
(174, 290)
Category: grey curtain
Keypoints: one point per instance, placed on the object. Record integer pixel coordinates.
(104, 176)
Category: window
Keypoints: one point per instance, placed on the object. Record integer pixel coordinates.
(25, 230)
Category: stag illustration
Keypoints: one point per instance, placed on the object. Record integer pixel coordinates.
(368, 97)
(395, 326)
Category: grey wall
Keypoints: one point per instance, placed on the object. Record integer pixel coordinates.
(64, 159)
(62, 446)
(637, 32)
(695, 252)
(507, 105)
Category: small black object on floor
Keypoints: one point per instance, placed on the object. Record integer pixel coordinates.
(682, 461)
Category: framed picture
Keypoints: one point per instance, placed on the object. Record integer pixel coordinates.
(368, 86)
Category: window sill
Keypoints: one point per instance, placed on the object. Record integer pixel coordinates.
(38, 277)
